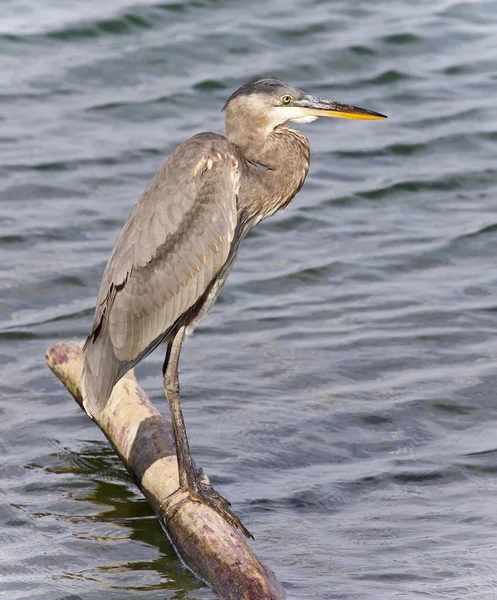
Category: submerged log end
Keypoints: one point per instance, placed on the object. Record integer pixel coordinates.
(143, 439)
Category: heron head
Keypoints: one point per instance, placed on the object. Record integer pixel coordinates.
(267, 103)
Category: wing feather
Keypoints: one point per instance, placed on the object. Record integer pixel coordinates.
(175, 242)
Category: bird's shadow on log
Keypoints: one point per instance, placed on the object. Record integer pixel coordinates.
(154, 440)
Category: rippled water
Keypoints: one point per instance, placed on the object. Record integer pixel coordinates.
(342, 391)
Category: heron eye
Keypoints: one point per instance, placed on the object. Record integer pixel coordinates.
(286, 99)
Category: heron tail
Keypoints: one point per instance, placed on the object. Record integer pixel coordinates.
(101, 371)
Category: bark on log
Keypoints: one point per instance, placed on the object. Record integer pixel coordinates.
(143, 439)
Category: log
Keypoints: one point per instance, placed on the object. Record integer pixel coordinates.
(144, 441)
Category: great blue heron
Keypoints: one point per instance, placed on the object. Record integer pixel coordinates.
(178, 245)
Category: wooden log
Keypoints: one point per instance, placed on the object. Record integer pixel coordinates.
(144, 441)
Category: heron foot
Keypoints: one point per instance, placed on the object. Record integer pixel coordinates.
(201, 491)
(207, 495)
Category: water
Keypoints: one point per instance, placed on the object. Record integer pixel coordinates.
(342, 391)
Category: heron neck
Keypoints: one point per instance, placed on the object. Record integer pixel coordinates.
(276, 168)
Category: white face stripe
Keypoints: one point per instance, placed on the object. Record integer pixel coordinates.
(278, 115)
(304, 119)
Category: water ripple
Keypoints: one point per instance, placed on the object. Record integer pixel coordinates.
(345, 381)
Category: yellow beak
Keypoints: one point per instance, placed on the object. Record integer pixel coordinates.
(318, 107)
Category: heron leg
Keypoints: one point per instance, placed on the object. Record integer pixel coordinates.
(189, 475)
(186, 467)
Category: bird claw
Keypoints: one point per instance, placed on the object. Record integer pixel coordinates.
(214, 495)
(207, 495)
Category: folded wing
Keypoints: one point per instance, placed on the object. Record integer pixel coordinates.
(174, 244)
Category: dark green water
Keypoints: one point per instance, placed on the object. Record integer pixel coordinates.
(342, 392)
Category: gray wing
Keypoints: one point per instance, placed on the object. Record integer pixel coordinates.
(175, 242)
